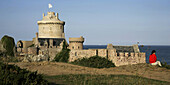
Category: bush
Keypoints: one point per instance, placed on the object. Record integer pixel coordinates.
(9, 44)
(14, 75)
(95, 62)
(62, 56)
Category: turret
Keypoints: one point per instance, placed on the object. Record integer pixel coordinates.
(76, 43)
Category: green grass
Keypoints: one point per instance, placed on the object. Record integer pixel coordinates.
(85, 79)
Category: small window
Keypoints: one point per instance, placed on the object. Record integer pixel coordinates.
(73, 47)
(78, 47)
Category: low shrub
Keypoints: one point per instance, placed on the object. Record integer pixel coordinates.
(62, 56)
(95, 62)
(14, 75)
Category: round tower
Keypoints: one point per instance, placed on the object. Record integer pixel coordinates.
(76, 43)
(51, 27)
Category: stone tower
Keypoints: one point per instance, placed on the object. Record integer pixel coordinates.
(51, 26)
(51, 31)
(76, 43)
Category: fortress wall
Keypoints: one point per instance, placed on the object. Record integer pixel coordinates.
(53, 52)
(123, 59)
(32, 50)
(26, 44)
(102, 52)
(25, 50)
(78, 54)
(112, 54)
(49, 51)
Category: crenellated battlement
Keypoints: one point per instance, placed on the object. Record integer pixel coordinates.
(127, 54)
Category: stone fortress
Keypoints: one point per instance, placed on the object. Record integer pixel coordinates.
(49, 41)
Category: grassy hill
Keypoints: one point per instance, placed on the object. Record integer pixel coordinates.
(64, 73)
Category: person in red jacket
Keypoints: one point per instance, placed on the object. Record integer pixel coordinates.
(153, 59)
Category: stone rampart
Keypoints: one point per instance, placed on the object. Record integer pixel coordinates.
(102, 52)
(78, 54)
(128, 58)
(121, 58)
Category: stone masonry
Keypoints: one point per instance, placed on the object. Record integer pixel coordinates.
(119, 55)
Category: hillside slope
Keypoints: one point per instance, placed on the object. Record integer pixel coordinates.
(54, 68)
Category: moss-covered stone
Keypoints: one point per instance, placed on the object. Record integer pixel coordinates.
(2, 49)
(9, 44)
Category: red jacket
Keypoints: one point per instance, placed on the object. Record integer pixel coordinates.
(152, 58)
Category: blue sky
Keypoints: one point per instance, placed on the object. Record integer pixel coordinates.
(120, 22)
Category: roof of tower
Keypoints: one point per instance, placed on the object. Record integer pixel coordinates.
(51, 18)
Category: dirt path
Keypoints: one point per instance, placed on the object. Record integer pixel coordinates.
(52, 68)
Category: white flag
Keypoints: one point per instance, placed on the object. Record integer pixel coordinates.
(50, 6)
